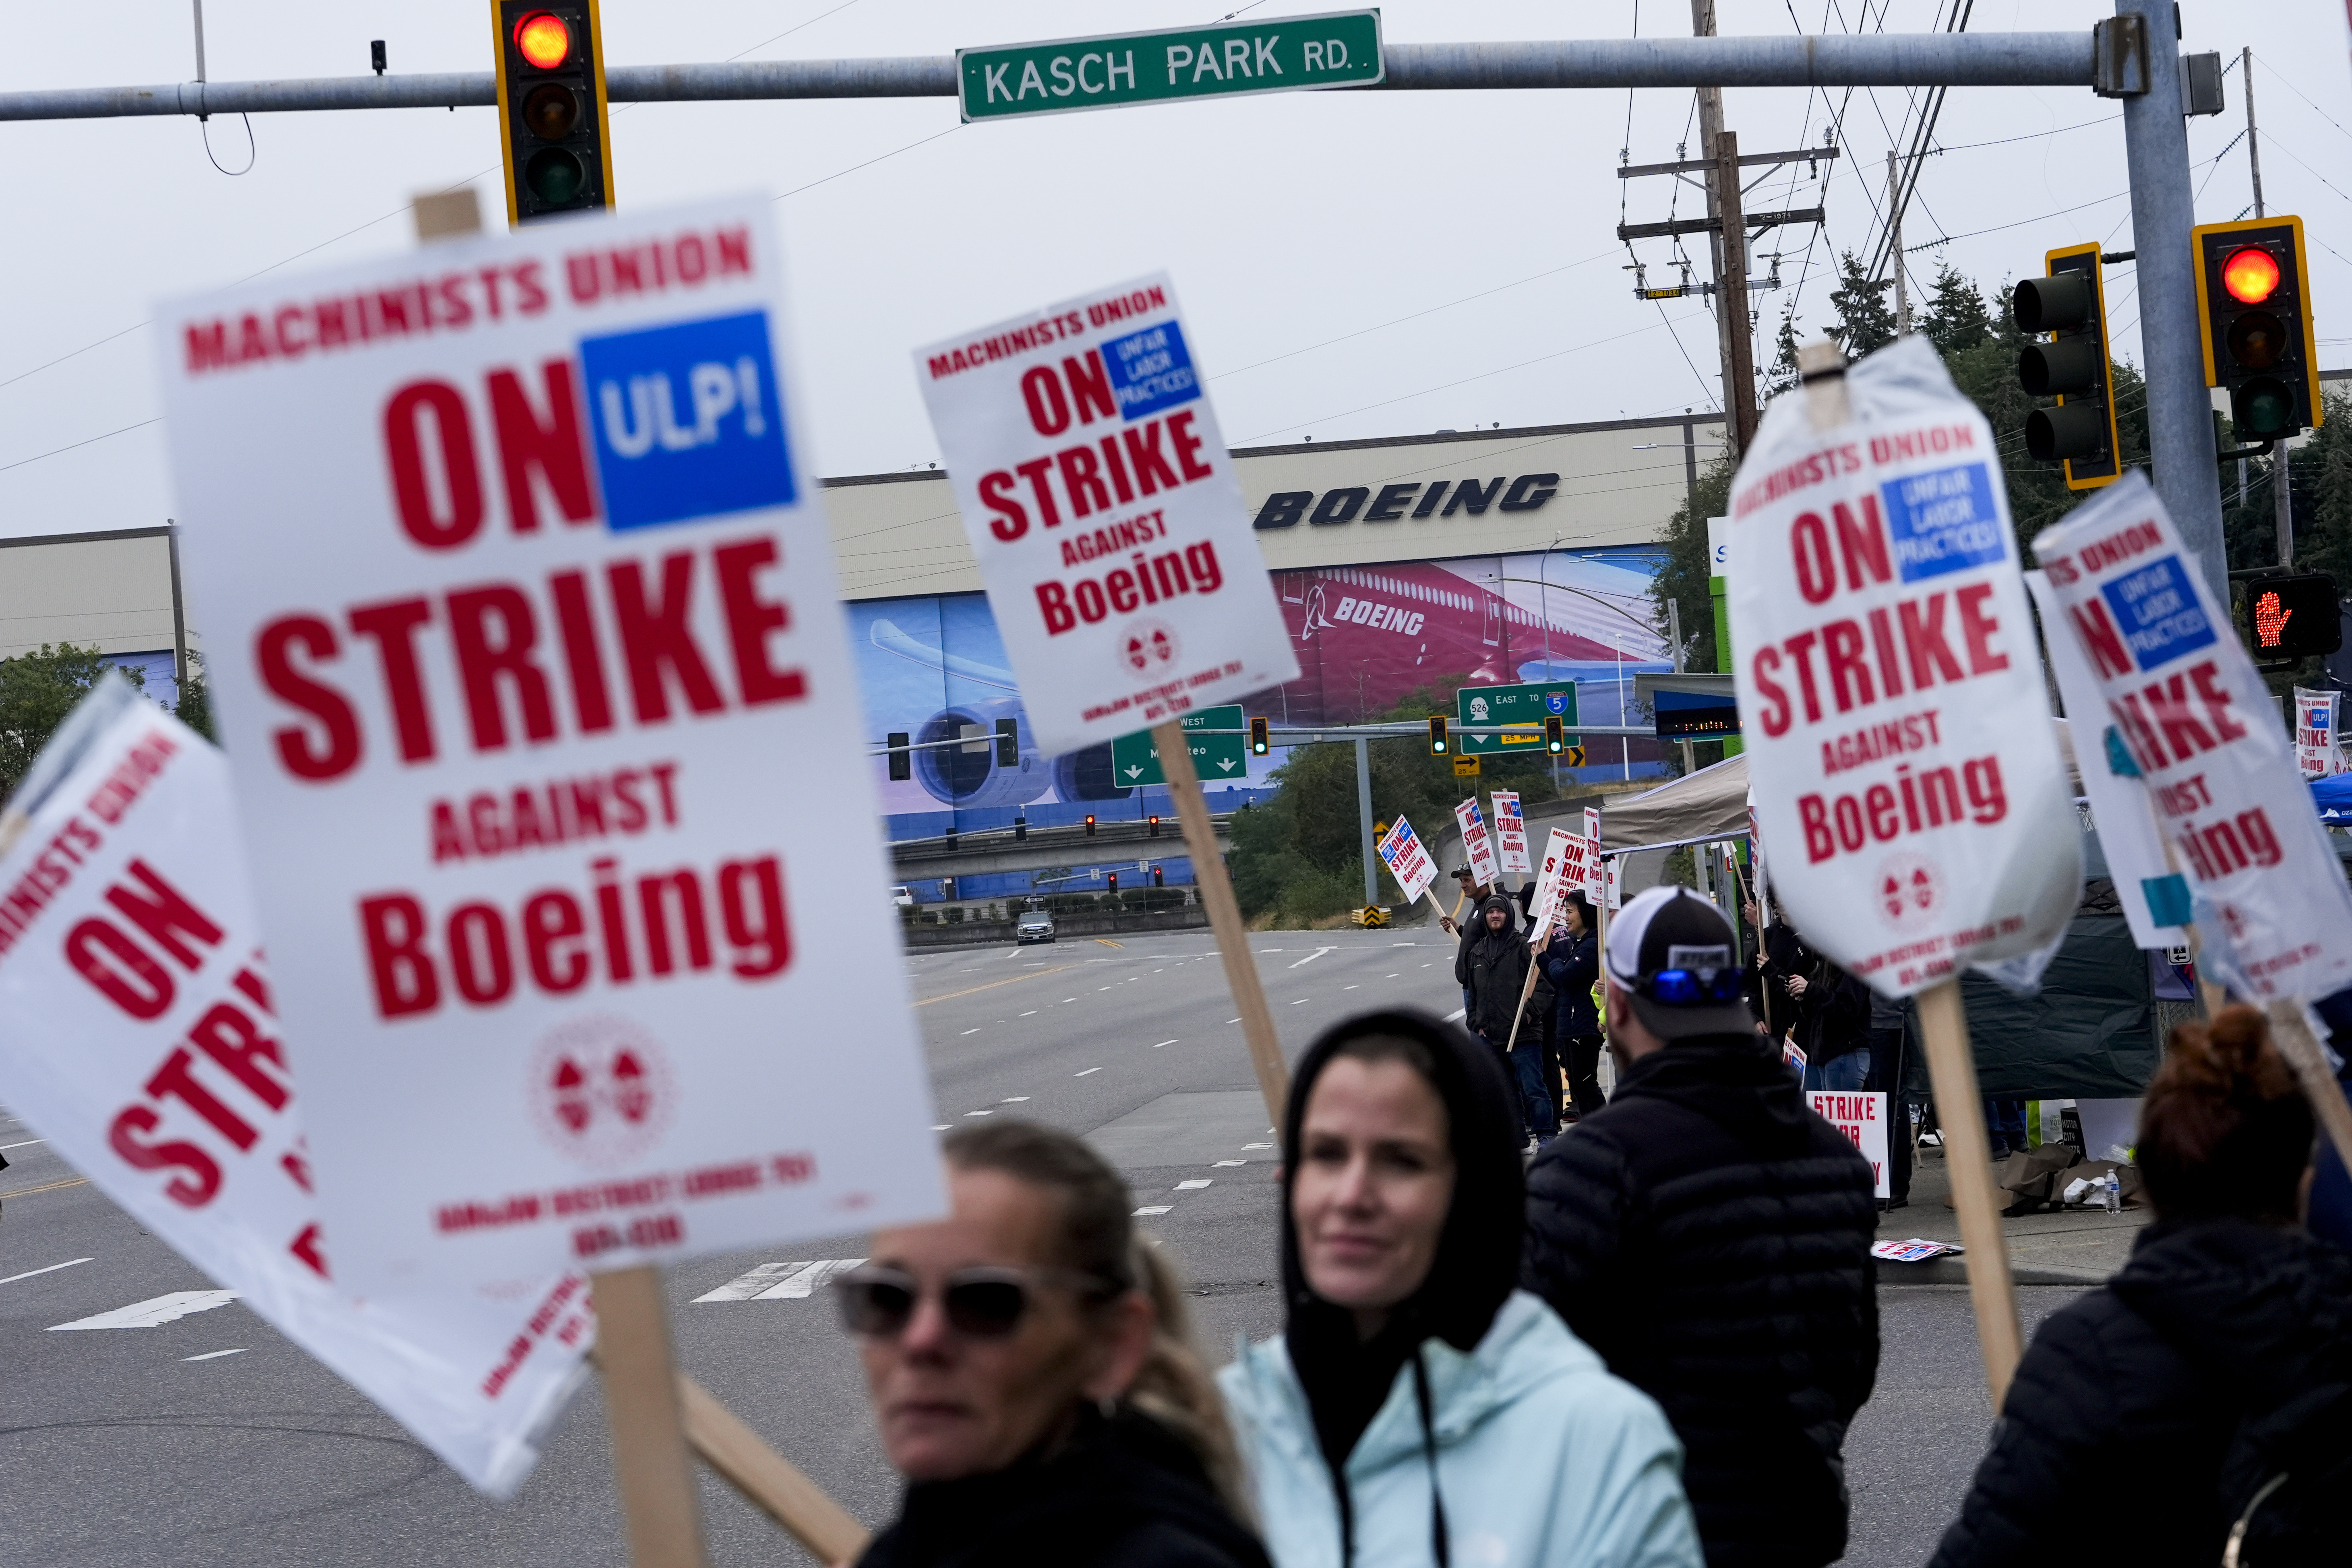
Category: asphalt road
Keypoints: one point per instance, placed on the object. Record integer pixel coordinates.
(208, 1439)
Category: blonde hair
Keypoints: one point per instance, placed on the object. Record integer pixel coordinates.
(1175, 1388)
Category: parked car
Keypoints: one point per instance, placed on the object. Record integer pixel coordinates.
(1034, 925)
(904, 897)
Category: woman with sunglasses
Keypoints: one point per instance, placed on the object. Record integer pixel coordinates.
(1418, 1409)
(1028, 1365)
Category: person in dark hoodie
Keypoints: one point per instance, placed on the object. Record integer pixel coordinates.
(2153, 1414)
(1570, 957)
(1492, 968)
(1029, 1371)
(1417, 1409)
(1710, 1237)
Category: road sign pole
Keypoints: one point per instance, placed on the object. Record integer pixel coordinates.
(1216, 891)
(642, 1411)
(1364, 820)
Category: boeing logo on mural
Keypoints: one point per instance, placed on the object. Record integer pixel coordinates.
(688, 421)
(1441, 499)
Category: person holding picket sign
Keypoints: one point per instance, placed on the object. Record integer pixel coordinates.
(1572, 961)
(2204, 1394)
(1027, 1363)
(1493, 968)
(1417, 1409)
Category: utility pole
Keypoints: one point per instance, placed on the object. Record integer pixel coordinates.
(2282, 493)
(1729, 248)
(1895, 245)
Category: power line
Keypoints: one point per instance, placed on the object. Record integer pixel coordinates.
(84, 442)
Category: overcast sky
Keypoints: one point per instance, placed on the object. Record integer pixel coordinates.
(1373, 264)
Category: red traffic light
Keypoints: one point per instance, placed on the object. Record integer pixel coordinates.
(543, 39)
(2252, 274)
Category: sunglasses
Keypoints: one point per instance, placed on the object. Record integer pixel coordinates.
(1681, 988)
(980, 1304)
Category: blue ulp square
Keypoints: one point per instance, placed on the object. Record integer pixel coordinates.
(1943, 522)
(1151, 370)
(2157, 611)
(689, 421)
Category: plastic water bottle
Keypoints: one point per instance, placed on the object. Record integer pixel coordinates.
(2112, 1197)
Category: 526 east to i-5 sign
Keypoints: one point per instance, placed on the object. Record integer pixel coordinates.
(1285, 54)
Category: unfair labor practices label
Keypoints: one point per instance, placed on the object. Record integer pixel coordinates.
(2187, 712)
(1905, 773)
(531, 665)
(1103, 510)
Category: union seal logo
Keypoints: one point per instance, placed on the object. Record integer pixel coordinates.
(1149, 646)
(1910, 889)
(601, 1090)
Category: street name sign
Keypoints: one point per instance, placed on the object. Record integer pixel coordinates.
(1284, 54)
(526, 649)
(1515, 705)
(1104, 515)
(140, 1036)
(1134, 759)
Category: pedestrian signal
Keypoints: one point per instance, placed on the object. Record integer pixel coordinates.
(553, 129)
(1554, 734)
(2292, 618)
(2074, 365)
(2259, 348)
(1439, 745)
(1008, 744)
(1260, 744)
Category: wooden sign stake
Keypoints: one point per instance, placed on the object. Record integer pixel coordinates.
(1216, 890)
(1959, 1110)
(2301, 1048)
(643, 1410)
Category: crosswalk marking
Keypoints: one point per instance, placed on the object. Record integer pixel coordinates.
(1152, 1209)
(148, 1314)
(1194, 1186)
(782, 1282)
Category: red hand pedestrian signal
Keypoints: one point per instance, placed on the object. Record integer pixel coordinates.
(2270, 620)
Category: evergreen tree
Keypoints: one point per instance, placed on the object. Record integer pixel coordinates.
(1781, 375)
(1955, 318)
(1865, 324)
(36, 692)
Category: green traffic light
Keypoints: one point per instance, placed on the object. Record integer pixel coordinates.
(2265, 409)
(555, 176)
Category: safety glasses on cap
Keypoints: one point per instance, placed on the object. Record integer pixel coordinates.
(1681, 988)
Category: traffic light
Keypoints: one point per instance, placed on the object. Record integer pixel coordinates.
(1114, 881)
(1554, 734)
(1439, 745)
(1008, 744)
(947, 887)
(902, 760)
(1090, 825)
(2071, 304)
(1155, 826)
(551, 123)
(2252, 288)
(1020, 829)
(1259, 742)
(2292, 618)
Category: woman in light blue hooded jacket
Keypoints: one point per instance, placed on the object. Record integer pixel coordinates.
(1418, 1408)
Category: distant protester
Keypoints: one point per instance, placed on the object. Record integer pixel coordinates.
(1572, 961)
(1417, 1409)
(2206, 1390)
(1709, 1237)
(1029, 1371)
(1492, 968)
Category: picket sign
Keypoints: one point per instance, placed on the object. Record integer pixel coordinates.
(1568, 859)
(1914, 799)
(139, 1037)
(2154, 896)
(1511, 832)
(522, 596)
(1861, 1115)
(1122, 569)
(1478, 845)
(2317, 753)
(1401, 850)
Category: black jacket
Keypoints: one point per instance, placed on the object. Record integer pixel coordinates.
(2112, 1444)
(1494, 966)
(1833, 1019)
(1709, 1237)
(1572, 965)
(1118, 1494)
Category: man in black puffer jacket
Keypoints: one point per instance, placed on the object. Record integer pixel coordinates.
(1709, 1237)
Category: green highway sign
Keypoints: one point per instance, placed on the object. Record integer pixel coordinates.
(1514, 705)
(1134, 759)
(1339, 48)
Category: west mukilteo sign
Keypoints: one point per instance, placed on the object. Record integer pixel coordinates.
(1438, 498)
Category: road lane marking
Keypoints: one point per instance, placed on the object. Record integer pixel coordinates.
(744, 1286)
(1152, 1209)
(993, 984)
(1031, 1014)
(941, 1126)
(1248, 1146)
(1456, 1016)
(811, 1278)
(1347, 988)
(1313, 956)
(990, 1112)
(1108, 942)
(149, 1313)
(52, 1269)
(1232, 1020)
(1302, 1001)
(1195, 1184)
(1388, 976)
(212, 1355)
(1072, 998)
(1221, 1163)
(973, 1030)
(1073, 1075)
(1163, 1043)
(28, 1142)
(1014, 1100)
(51, 1187)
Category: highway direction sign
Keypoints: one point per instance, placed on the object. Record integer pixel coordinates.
(1134, 759)
(1285, 54)
(1514, 705)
